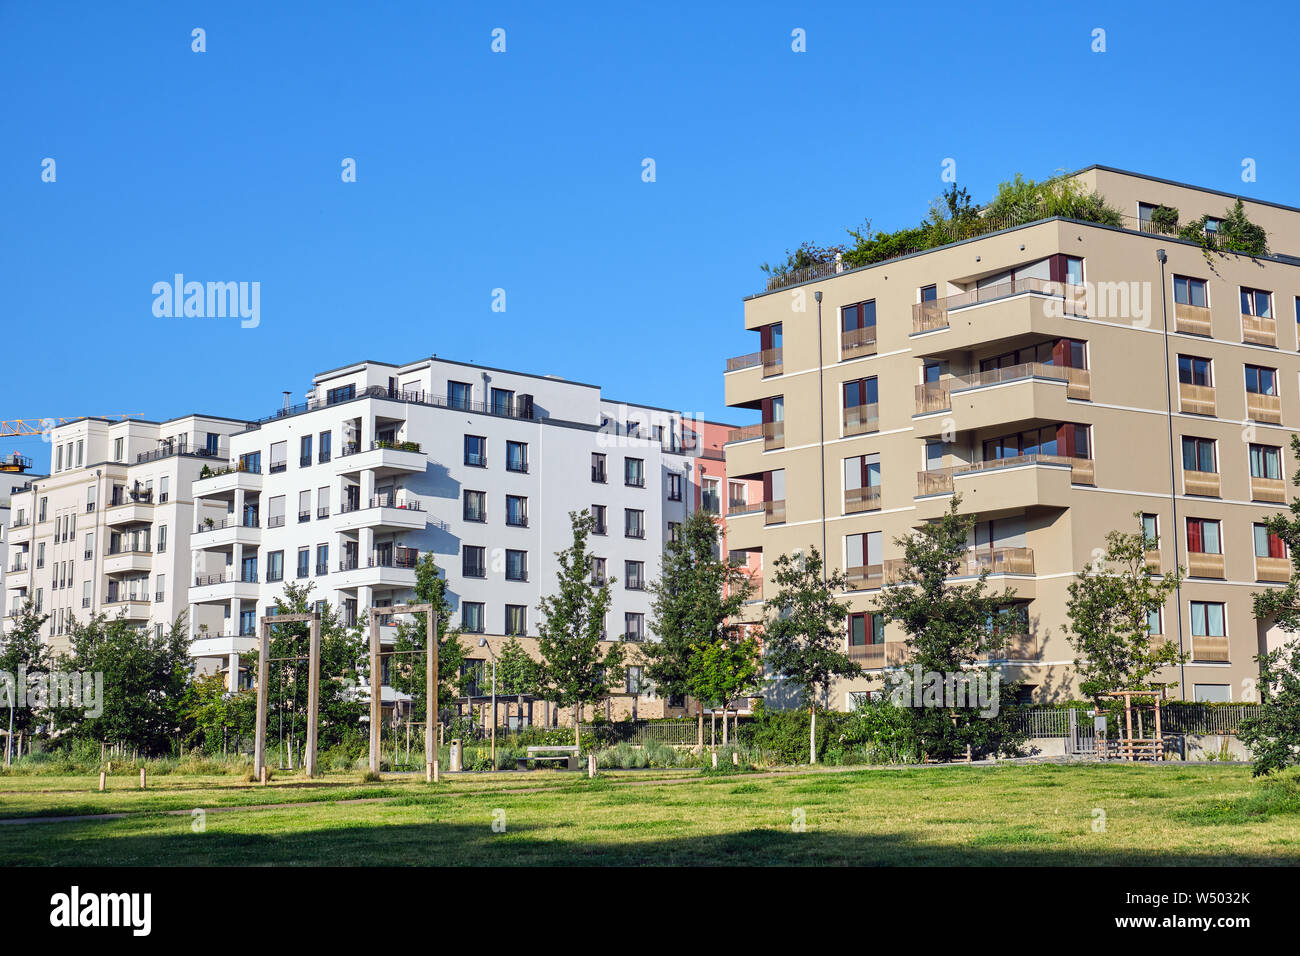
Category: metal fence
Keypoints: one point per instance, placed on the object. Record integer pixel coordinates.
(1176, 717)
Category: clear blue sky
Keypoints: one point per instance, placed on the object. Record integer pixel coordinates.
(522, 171)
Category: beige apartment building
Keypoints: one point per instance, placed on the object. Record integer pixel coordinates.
(1060, 376)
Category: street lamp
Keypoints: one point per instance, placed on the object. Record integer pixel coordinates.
(482, 642)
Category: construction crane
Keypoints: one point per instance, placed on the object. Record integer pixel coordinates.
(19, 427)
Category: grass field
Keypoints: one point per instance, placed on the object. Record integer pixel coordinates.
(1013, 814)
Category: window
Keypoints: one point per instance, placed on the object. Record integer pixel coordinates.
(598, 472)
(711, 496)
(1212, 693)
(599, 513)
(633, 523)
(1268, 545)
(251, 462)
(473, 562)
(323, 502)
(503, 401)
(117, 449)
(43, 513)
(634, 626)
(1155, 621)
(304, 451)
(58, 458)
(674, 531)
(164, 489)
(1189, 291)
(516, 511)
(275, 566)
(476, 451)
(471, 617)
(81, 450)
(1203, 536)
(517, 456)
(516, 620)
(162, 539)
(1194, 371)
(863, 552)
(324, 454)
(634, 472)
(475, 506)
(1265, 461)
(1073, 270)
(1261, 380)
(1207, 619)
(860, 315)
(279, 456)
(341, 394)
(304, 506)
(633, 684)
(862, 391)
(460, 395)
(1257, 303)
(322, 559)
(674, 486)
(634, 575)
(516, 565)
(212, 443)
(929, 293)
(1151, 531)
(90, 498)
(304, 562)
(1198, 454)
(597, 571)
(865, 628)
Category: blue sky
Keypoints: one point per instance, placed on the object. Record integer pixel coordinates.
(522, 171)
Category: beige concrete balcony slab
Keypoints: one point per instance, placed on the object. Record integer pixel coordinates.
(744, 385)
(1272, 569)
(750, 459)
(1210, 650)
(994, 313)
(745, 529)
(1191, 319)
(224, 485)
(1205, 483)
(126, 562)
(1196, 399)
(1005, 397)
(1015, 647)
(1268, 489)
(1009, 484)
(1264, 408)
(222, 535)
(132, 512)
(128, 608)
(1201, 565)
(1258, 331)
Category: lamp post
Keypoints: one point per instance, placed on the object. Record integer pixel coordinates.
(482, 642)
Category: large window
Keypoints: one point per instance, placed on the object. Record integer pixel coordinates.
(1257, 303)
(634, 472)
(674, 486)
(1151, 531)
(1203, 536)
(862, 391)
(475, 506)
(866, 628)
(634, 575)
(633, 523)
(1193, 370)
(460, 395)
(1261, 380)
(471, 617)
(599, 473)
(1265, 461)
(516, 565)
(1207, 619)
(516, 620)
(516, 511)
(634, 626)
(600, 519)
(1188, 291)
(473, 562)
(1267, 544)
(275, 566)
(476, 451)
(860, 315)
(1198, 454)
(517, 456)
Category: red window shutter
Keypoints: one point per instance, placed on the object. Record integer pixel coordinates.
(1061, 353)
(1065, 440)
(767, 410)
(1276, 549)
(1056, 268)
(767, 486)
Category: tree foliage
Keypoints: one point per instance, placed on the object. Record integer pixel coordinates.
(1274, 735)
(22, 652)
(408, 674)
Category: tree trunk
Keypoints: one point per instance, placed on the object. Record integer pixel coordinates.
(724, 725)
(577, 725)
(699, 736)
(812, 734)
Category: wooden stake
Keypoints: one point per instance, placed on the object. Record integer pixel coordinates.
(142, 778)
(103, 781)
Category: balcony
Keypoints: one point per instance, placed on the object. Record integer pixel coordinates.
(774, 512)
(1201, 565)
(771, 361)
(383, 511)
(1015, 647)
(937, 481)
(223, 484)
(876, 656)
(861, 499)
(1196, 399)
(1259, 330)
(772, 433)
(130, 508)
(128, 560)
(225, 533)
(1268, 489)
(1209, 650)
(861, 419)
(1264, 408)
(1153, 562)
(858, 342)
(127, 608)
(1272, 569)
(1021, 393)
(1191, 319)
(391, 568)
(383, 456)
(1204, 483)
(974, 562)
(223, 587)
(937, 314)
(864, 577)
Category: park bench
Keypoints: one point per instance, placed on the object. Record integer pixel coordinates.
(568, 754)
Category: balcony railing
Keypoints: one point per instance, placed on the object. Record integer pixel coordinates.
(858, 342)
(860, 419)
(227, 522)
(771, 360)
(863, 577)
(1268, 489)
(1210, 649)
(933, 397)
(1259, 330)
(1204, 483)
(120, 498)
(973, 562)
(861, 499)
(1264, 408)
(1272, 569)
(396, 558)
(1191, 319)
(1202, 565)
(928, 316)
(772, 433)
(1196, 399)
(774, 512)
(937, 481)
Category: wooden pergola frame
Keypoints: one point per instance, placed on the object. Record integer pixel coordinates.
(1131, 747)
(430, 653)
(264, 680)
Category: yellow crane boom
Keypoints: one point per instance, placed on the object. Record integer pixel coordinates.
(18, 427)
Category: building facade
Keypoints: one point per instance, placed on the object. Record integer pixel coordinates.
(1061, 377)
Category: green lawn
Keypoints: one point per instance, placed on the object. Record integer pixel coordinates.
(1024, 814)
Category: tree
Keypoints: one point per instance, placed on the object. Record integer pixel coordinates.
(1108, 607)
(695, 597)
(22, 653)
(409, 676)
(1274, 735)
(213, 718)
(574, 671)
(950, 628)
(145, 676)
(517, 672)
(723, 670)
(804, 630)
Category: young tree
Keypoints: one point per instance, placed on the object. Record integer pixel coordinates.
(144, 682)
(574, 671)
(950, 627)
(517, 672)
(723, 670)
(695, 597)
(409, 675)
(21, 653)
(804, 631)
(212, 718)
(1108, 607)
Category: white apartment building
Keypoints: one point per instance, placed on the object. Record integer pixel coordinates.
(108, 529)
(479, 466)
